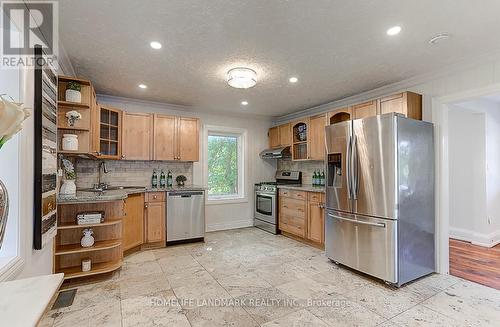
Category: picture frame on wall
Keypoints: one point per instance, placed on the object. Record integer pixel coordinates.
(45, 150)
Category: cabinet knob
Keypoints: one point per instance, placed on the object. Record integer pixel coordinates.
(146, 205)
(155, 196)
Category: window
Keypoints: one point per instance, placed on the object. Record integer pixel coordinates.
(224, 163)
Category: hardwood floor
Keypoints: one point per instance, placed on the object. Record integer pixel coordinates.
(475, 263)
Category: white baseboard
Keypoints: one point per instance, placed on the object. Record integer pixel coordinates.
(486, 240)
(229, 225)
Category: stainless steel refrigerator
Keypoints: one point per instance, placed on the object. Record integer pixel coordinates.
(380, 197)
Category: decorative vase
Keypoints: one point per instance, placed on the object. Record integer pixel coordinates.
(87, 238)
(73, 96)
(4, 210)
(68, 187)
(70, 142)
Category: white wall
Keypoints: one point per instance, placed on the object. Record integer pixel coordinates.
(474, 135)
(219, 216)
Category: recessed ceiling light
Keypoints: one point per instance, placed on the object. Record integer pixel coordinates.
(394, 30)
(438, 38)
(143, 86)
(241, 77)
(155, 45)
(293, 79)
(244, 103)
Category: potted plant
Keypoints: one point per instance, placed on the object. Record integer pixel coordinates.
(12, 116)
(68, 187)
(180, 180)
(73, 93)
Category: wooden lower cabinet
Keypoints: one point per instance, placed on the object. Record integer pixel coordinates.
(315, 220)
(301, 214)
(133, 222)
(154, 219)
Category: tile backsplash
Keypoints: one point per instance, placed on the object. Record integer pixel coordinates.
(128, 173)
(306, 167)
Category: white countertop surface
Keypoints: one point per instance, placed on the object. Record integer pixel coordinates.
(24, 301)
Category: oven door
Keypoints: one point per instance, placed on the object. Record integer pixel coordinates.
(265, 207)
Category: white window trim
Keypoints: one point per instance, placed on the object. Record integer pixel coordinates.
(242, 196)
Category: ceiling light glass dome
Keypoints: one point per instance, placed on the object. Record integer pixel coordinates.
(241, 77)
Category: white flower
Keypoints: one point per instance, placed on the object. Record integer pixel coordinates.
(12, 116)
(73, 114)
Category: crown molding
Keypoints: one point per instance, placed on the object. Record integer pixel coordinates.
(400, 86)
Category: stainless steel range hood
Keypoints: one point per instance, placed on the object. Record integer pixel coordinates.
(277, 153)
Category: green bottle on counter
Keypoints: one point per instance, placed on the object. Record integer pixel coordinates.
(162, 179)
(169, 179)
(154, 179)
(323, 182)
(315, 179)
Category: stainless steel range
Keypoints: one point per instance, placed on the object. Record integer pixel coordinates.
(266, 200)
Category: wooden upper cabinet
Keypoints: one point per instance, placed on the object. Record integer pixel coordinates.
(365, 109)
(406, 103)
(108, 133)
(285, 134)
(317, 137)
(274, 137)
(137, 136)
(165, 143)
(339, 115)
(300, 139)
(188, 139)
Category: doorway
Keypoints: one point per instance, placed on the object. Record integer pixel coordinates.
(474, 189)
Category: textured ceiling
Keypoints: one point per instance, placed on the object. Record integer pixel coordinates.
(336, 48)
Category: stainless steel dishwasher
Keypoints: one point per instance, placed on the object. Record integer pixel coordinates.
(185, 216)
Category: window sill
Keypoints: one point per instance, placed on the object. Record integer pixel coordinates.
(221, 201)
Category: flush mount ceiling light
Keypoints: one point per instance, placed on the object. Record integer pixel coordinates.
(293, 79)
(438, 38)
(143, 86)
(155, 45)
(241, 78)
(244, 103)
(395, 30)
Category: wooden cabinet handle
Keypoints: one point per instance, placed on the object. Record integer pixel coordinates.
(146, 205)
(285, 207)
(155, 196)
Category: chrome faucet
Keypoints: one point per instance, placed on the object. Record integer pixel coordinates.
(102, 169)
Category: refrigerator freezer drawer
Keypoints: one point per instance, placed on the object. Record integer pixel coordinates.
(363, 243)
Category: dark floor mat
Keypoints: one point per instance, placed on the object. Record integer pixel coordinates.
(64, 299)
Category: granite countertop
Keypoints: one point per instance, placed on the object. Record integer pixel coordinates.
(114, 195)
(304, 187)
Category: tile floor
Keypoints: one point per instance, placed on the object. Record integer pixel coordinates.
(247, 277)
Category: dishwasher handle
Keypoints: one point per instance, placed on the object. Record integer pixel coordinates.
(184, 194)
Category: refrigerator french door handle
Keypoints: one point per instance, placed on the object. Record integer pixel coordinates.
(382, 225)
(348, 168)
(355, 168)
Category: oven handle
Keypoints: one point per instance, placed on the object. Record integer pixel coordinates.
(266, 194)
(357, 221)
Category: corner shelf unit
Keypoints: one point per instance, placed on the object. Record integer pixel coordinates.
(106, 254)
(87, 108)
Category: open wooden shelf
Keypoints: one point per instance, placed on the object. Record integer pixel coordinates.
(77, 248)
(107, 222)
(73, 128)
(97, 268)
(69, 79)
(72, 104)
